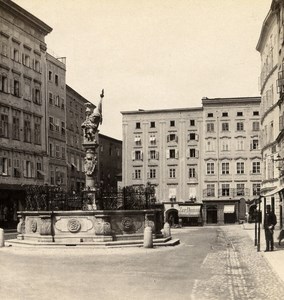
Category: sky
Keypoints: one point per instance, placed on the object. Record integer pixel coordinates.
(154, 54)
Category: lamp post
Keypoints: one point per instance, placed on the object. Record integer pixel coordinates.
(259, 221)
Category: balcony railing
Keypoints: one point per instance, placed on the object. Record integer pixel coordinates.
(230, 192)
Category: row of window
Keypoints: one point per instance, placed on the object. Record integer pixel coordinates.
(170, 153)
(56, 125)
(192, 173)
(31, 91)
(50, 77)
(225, 168)
(57, 151)
(225, 126)
(225, 144)
(11, 126)
(56, 100)
(238, 114)
(24, 55)
(20, 168)
(192, 122)
(226, 190)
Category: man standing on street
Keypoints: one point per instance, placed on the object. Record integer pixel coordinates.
(269, 223)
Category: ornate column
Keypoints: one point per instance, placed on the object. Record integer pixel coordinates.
(90, 127)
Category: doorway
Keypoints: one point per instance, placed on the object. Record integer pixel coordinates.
(211, 213)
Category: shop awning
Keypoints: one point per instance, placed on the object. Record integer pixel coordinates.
(229, 209)
(189, 211)
(273, 192)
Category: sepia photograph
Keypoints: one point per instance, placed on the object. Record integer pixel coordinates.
(141, 149)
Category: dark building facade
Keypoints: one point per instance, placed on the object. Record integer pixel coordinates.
(23, 148)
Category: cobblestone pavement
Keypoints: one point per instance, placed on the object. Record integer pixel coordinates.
(236, 270)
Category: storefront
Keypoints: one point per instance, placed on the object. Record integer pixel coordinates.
(184, 214)
(221, 212)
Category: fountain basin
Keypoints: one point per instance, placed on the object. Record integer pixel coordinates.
(87, 227)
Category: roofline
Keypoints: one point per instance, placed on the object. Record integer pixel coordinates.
(167, 110)
(265, 25)
(109, 138)
(54, 60)
(206, 100)
(27, 16)
(77, 94)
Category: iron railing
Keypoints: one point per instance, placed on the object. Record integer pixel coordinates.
(53, 198)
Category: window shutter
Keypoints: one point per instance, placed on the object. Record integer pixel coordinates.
(167, 153)
(133, 175)
(196, 137)
(33, 94)
(12, 53)
(1, 165)
(187, 152)
(32, 169)
(141, 154)
(133, 155)
(33, 64)
(196, 153)
(168, 138)
(23, 59)
(24, 168)
(176, 138)
(176, 153)
(1, 86)
(148, 175)
(157, 155)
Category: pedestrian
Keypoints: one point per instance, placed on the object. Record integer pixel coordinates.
(269, 223)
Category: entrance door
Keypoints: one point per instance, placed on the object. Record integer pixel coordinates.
(211, 212)
(172, 217)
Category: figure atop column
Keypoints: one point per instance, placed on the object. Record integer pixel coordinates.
(93, 120)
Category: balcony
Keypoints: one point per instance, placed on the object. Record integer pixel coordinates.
(230, 192)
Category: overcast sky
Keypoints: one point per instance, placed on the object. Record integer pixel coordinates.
(154, 54)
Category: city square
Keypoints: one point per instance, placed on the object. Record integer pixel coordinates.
(146, 160)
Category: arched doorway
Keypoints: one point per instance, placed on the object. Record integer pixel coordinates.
(172, 216)
(211, 213)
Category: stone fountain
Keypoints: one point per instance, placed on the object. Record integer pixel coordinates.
(95, 226)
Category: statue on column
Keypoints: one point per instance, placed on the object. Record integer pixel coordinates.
(93, 119)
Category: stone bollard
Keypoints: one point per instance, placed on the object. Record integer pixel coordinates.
(148, 237)
(167, 230)
(2, 239)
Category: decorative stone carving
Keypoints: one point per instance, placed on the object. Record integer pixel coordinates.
(33, 225)
(102, 227)
(21, 226)
(73, 225)
(90, 162)
(127, 224)
(45, 228)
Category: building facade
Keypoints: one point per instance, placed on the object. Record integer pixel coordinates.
(23, 147)
(270, 47)
(75, 116)
(162, 147)
(197, 158)
(56, 116)
(110, 162)
(231, 157)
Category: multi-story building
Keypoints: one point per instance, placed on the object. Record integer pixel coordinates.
(208, 155)
(110, 162)
(56, 116)
(270, 47)
(75, 116)
(230, 157)
(23, 149)
(162, 147)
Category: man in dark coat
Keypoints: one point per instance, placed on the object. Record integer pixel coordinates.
(269, 223)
